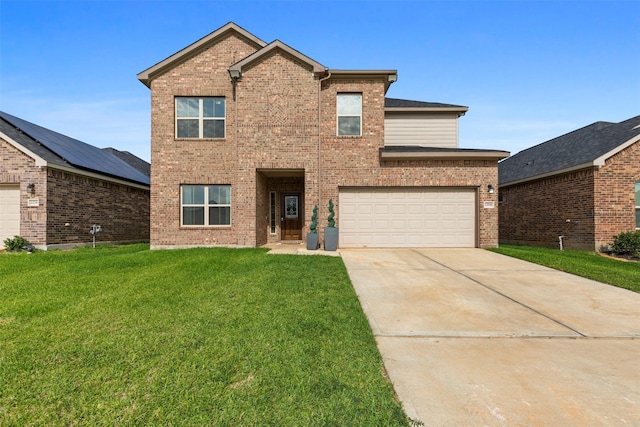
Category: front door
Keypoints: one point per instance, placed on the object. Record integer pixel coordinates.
(291, 217)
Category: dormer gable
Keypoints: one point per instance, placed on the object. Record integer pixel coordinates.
(230, 28)
(272, 47)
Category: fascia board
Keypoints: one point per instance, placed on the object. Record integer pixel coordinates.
(39, 160)
(430, 155)
(94, 175)
(316, 66)
(146, 75)
(552, 173)
(360, 73)
(426, 109)
(602, 159)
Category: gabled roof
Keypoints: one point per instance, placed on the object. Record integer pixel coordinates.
(132, 159)
(275, 45)
(585, 147)
(146, 75)
(262, 49)
(405, 105)
(52, 149)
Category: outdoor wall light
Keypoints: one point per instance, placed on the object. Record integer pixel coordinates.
(31, 188)
(490, 188)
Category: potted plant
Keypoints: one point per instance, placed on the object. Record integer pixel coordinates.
(331, 231)
(312, 236)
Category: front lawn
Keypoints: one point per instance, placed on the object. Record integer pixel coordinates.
(224, 337)
(581, 263)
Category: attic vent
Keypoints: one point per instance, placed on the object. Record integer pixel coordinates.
(637, 127)
(530, 163)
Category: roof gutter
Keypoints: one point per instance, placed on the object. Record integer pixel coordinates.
(552, 173)
(445, 155)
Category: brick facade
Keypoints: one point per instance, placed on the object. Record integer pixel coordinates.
(280, 136)
(69, 204)
(588, 207)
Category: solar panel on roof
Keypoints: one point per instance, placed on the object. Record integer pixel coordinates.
(78, 153)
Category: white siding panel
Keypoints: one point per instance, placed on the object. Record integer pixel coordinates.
(9, 212)
(436, 130)
(417, 217)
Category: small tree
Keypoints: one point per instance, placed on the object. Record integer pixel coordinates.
(332, 222)
(314, 221)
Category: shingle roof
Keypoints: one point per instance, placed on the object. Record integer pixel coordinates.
(405, 103)
(132, 159)
(583, 146)
(59, 149)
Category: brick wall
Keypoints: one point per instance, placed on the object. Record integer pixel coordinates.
(537, 212)
(615, 195)
(588, 207)
(272, 122)
(69, 204)
(18, 168)
(76, 202)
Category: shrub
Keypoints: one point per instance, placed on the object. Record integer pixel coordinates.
(627, 242)
(16, 244)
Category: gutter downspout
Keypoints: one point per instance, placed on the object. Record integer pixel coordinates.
(328, 76)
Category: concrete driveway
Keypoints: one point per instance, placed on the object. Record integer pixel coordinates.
(471, 338)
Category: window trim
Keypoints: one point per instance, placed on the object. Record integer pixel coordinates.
(338, 115)
(272, 213)
(201, 119)
(205, 206)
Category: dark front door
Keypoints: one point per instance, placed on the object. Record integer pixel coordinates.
(291, 217)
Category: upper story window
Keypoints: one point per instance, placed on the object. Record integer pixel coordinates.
(349, 114)
(637, 204)
(200, 117)
(206, 205)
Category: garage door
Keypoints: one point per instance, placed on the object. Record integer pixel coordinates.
(419, 217)
(9, 212)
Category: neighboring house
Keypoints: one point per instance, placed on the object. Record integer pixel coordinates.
(583, 186)
(54, 188)
(248, 136)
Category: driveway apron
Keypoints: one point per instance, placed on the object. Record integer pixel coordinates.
(470, 337)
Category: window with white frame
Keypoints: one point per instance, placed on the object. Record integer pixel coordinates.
(205, 205)
(200, 117)
(272, 212)
(638, 205)
(349, 114)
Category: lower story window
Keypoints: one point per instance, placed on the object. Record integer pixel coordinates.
(206, 205)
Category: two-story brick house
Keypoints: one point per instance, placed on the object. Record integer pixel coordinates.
(248, 136)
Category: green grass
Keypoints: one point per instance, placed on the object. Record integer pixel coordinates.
(582, 263)
(224, 337)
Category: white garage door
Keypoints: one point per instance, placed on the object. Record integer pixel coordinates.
(9, 212)
(420, 217)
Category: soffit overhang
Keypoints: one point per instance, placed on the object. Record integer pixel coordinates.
(147, 75)
(390, 76)
(428, 153)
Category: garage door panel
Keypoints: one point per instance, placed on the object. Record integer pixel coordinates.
(424, 217)
(9, 212)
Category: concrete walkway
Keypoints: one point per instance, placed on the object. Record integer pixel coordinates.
(473, 338)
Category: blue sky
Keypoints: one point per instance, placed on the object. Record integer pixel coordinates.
(528, 70)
